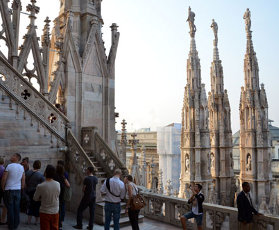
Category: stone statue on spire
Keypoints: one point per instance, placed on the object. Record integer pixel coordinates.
(191, 20)
(214, 27)
(247, 18)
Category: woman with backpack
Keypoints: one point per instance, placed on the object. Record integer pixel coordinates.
(131, 192)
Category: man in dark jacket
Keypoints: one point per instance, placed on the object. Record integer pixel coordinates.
(88, 199)
(245, 208)
(197, 211)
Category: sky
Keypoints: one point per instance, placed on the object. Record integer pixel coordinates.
(154, 45)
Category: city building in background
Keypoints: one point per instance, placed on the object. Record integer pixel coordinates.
(168, 148)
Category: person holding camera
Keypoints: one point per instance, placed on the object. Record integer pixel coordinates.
(197, 211)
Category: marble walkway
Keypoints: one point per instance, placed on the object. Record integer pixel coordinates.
(70, 221)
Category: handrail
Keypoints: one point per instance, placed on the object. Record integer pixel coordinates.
(24, 106)
(77, 155)
(11, 68)
(168, 209)
(24, 93)
(116, 160)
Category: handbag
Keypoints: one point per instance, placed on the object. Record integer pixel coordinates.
(137, 202)
(67, 196)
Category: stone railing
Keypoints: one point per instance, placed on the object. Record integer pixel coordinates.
(168, 209)
(96, 147)
(77, 157)
(32, 101)
(164, 208)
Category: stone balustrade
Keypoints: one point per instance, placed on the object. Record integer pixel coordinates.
(96, 147)
(77, 157)
(24, 94)
(168, 209)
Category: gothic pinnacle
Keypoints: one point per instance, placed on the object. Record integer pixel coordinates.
(46, 34)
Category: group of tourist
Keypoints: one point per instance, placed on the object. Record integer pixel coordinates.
(114, 190)
(245, 208)
(42, 196)
(37, 195)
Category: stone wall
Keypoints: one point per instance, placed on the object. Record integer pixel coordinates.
(23, 134)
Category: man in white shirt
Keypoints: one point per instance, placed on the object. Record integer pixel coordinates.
(114, 191)
(13, 181)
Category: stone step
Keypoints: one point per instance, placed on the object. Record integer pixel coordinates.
(100, 174)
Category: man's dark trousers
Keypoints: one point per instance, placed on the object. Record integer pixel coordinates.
(84, 203)
(12, 202)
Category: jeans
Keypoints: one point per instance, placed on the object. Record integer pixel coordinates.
(12, 202)
(84, 203)
(34, 206)
(61, 203)
(62, 211)
(134, 218)
(111, 208)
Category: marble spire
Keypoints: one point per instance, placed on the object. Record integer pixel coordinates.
(255, 159)
(221, 167)
(250, 61)
(194, 134)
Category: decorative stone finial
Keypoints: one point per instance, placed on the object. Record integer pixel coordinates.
(123, 134)
(247, 18)
(33, 9)
(16, 4)
(114, 27)
(133, 142)
(191, 20)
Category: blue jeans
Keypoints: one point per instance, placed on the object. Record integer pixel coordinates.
(115, 209)
(63, 211)
(12, 202)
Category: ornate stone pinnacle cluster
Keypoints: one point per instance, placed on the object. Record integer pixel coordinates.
(46, 33)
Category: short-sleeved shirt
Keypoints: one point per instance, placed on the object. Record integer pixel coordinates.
(33, 178)
(48, 193)
(15, 172)
(90, 183)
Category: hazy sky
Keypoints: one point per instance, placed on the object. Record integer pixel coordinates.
(154, 45)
